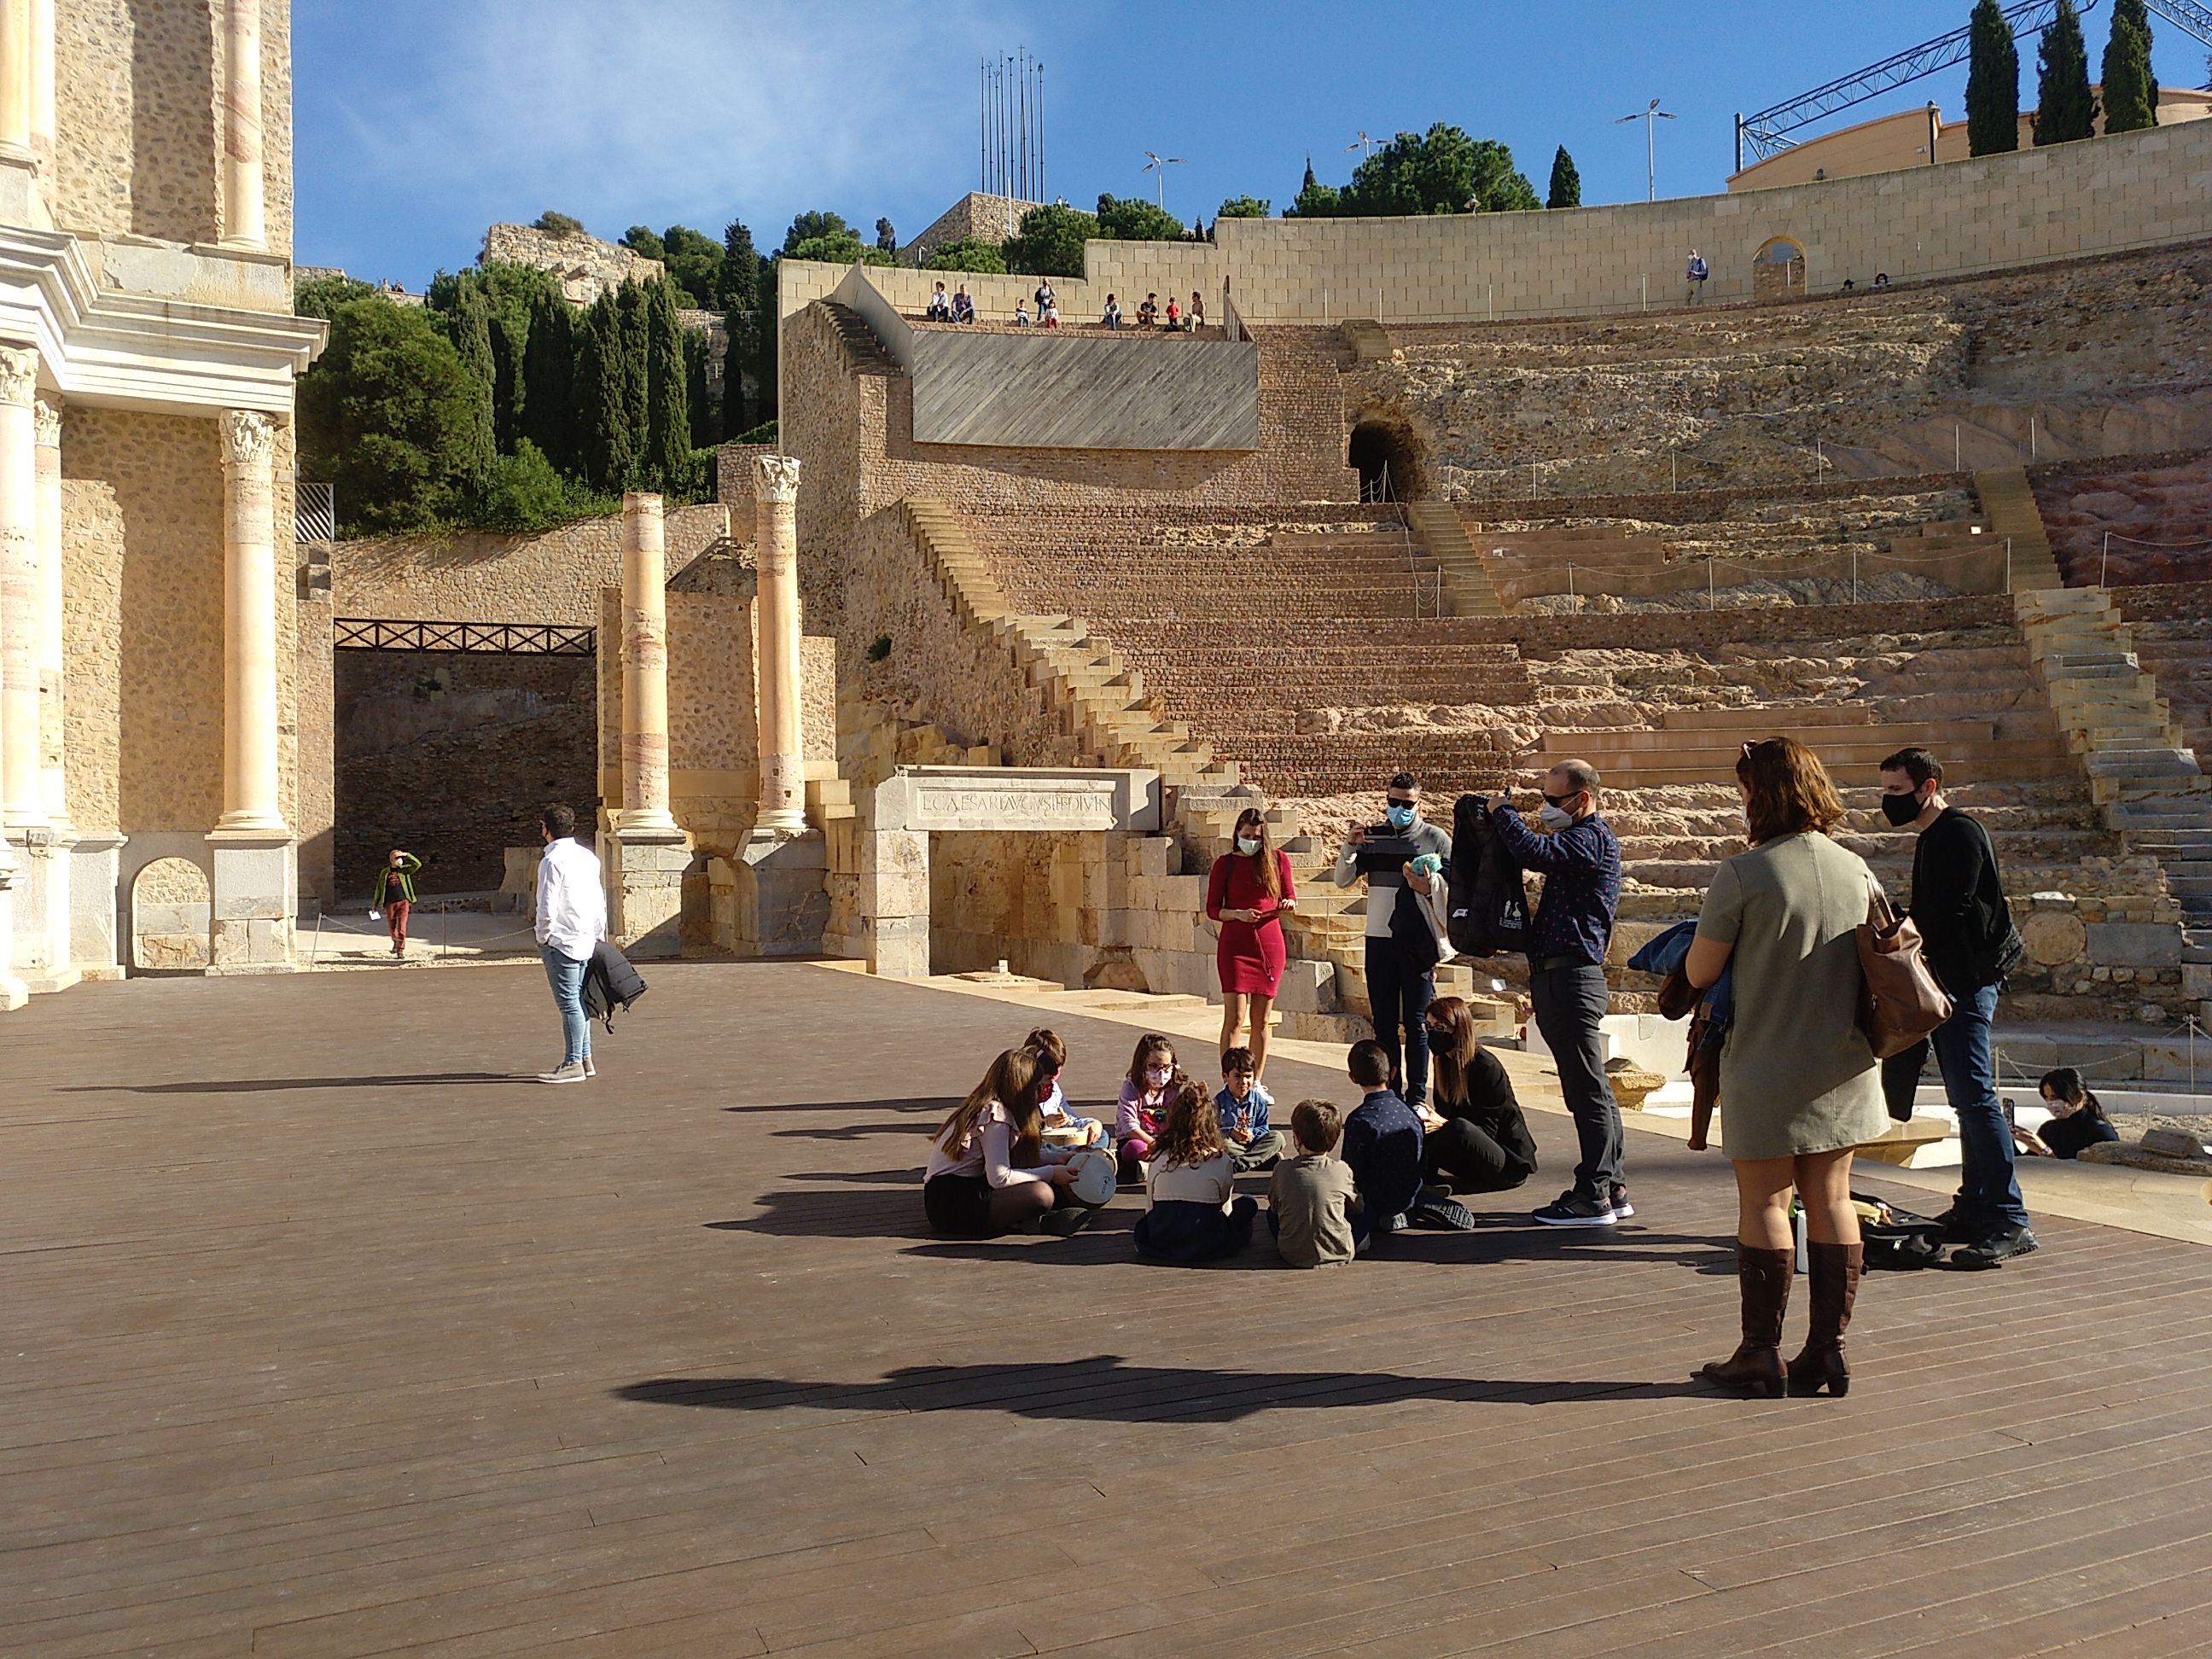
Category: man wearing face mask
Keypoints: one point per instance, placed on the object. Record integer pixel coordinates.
(1580, 860)
(1400, 983)
(1969, 943)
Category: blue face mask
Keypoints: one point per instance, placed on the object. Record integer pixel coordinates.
(1247, 846)
(1399, 817)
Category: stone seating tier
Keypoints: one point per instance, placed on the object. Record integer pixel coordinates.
(2171, 623)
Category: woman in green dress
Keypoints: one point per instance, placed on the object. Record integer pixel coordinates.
(1800, 1088)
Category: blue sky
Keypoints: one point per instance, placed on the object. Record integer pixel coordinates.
(417, 124)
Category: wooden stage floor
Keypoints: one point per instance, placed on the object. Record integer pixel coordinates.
(320, 1336)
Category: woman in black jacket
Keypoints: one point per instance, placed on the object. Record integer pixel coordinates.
(1476, 1140)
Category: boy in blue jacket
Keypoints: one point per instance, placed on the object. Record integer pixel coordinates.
(1243, 1106)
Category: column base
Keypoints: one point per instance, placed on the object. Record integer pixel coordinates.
(781, 898)
(645, 889)
(95, 901)
(13, 993)
(257, 901)
(895, 902)
(41, 952)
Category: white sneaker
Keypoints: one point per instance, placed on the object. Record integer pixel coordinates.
(568, 1072)
(590, 1070)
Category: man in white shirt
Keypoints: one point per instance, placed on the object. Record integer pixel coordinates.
(571, 919)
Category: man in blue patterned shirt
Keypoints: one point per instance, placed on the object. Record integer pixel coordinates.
(1580, 860)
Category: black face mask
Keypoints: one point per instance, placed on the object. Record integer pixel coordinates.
(1901, 809)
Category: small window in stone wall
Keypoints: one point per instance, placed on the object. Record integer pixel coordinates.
(1777, 270)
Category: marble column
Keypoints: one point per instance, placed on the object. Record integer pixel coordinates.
(242, 212)
(16, 79)
(256, 876)
(51, 850)
(42, 85)
(782, 745)
(19, 371)
(648, 852)
(22, 805)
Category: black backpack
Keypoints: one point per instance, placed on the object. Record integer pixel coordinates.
(610, 982)
(1486, 909)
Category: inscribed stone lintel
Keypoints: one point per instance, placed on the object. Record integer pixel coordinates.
(1048, 799)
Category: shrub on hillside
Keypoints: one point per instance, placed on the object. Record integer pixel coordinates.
(971, 254)
(524, 494)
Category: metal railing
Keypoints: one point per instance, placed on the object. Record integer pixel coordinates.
(489, 639)
(314, 512)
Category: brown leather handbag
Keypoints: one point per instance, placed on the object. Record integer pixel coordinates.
(1901, 1002)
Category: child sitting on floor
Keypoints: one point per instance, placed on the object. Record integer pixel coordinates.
(1193, 1217)
(1143, 1104)
(1243, 1106)
(1313, 1209)
(989, 1171)
(1061, 1127)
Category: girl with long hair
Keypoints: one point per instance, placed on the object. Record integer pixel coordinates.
(1193, 1216)
(2077, 1117)
(990, 1171)
(1473, 1137)
(1800, 1088)
(1143, 1108)
(1248, 893)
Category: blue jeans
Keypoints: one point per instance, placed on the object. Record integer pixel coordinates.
(567, 977)
(1989, 1192)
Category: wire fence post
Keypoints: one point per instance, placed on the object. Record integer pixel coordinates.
(2008, 564)
(1958, 449)
(1533, 467)
(1854, 576)
(1573, 605)
(2103, 560)
(1674, 468)
(2031, 438)
(1712, 604)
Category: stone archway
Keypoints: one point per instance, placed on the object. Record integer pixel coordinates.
(171, 918)
(1778, 270)
(1386, 453)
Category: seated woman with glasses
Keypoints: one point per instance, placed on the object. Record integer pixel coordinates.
(1474, 1138)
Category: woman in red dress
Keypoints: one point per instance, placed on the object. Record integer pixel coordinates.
(1247, 894)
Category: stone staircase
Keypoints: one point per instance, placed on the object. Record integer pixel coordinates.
(2009, 502)
(1468, 587)
(2141, 771)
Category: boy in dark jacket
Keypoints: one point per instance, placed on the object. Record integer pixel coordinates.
(1381, 1142)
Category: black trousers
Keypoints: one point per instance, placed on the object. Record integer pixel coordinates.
(1569, 1002)
(1465, 1157)
(1399, 996)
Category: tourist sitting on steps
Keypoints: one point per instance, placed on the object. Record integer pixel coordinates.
(989, 1170)
(1800, 1088)
(1696, 272)
(940, 307)
(1193, 1215)
(1149, 312)
(1112, 315)
(1174, 316)
(963, 306)
(1194, 318)
(1021, 313)
(2077, 1118)
(1476, 1140)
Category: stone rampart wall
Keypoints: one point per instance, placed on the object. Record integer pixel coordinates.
(482, 576)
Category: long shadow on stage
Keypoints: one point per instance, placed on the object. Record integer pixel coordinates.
(254, 1085)
(1104, 1388)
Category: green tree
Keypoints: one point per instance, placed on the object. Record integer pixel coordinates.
(1244, 207)
(549, 382)
(1050, 242)
(809, 226)
(843, 249)
(1566, 190)
(739, 354)
(630, 316)
(641, 239)
(886, 236)
(2130, 90)
(2065, 110)
(668, 413)
(1315, 199)
(385, 414)
(321, 296)
(607, 453)
(698, 397)
(557, 224)
(1992, 82)
(1133, 219)
(970, 253)
(739, 283)
(527, 494)
(694, 265)
(468, 325)
(1440, 170)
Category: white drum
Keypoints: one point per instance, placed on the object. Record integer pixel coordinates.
(1095, 1179)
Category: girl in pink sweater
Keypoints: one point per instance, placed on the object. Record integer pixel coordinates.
(1144, 1106)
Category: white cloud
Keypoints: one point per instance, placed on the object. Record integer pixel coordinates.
(650, 110)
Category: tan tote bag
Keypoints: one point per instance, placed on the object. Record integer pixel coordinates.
(1901, 1002)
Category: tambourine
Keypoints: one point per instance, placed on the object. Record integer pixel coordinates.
(1095, 1177)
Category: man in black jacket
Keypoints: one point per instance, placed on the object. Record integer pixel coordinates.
(1958, 904)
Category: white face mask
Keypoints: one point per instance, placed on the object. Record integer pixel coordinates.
(1555, 818)
(1157, 1076)
(1247, 846)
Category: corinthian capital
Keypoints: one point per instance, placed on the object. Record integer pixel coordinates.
(48, 416)
(19, 374)
(775, 477)
(249, 437)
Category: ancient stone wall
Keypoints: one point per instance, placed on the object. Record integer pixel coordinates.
(453, 756)
(483, 576)
(585, 265)
(984, 217)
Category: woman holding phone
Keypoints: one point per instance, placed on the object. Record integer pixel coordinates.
(1247, 894)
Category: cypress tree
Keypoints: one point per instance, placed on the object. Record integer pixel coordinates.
(510, 346)
(668, 417)
(549, 382)
(737, 359)
(697, 399)
(2130, 91)
(1992, 83)
(739, 277)
(629, 318)
(2064, 109)
(608, 456)
(1566, 190)
(471, 327)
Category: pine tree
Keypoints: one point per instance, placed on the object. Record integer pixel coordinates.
(1566, 190)
(608, 456)
(470, 324)
(1992, 83)
(668, 416)
(629, 318)
(2130, 91)
(2065, 110)
(549, 382)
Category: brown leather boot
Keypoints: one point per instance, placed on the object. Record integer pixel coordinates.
(1755, 1368)
(1835, 1271)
